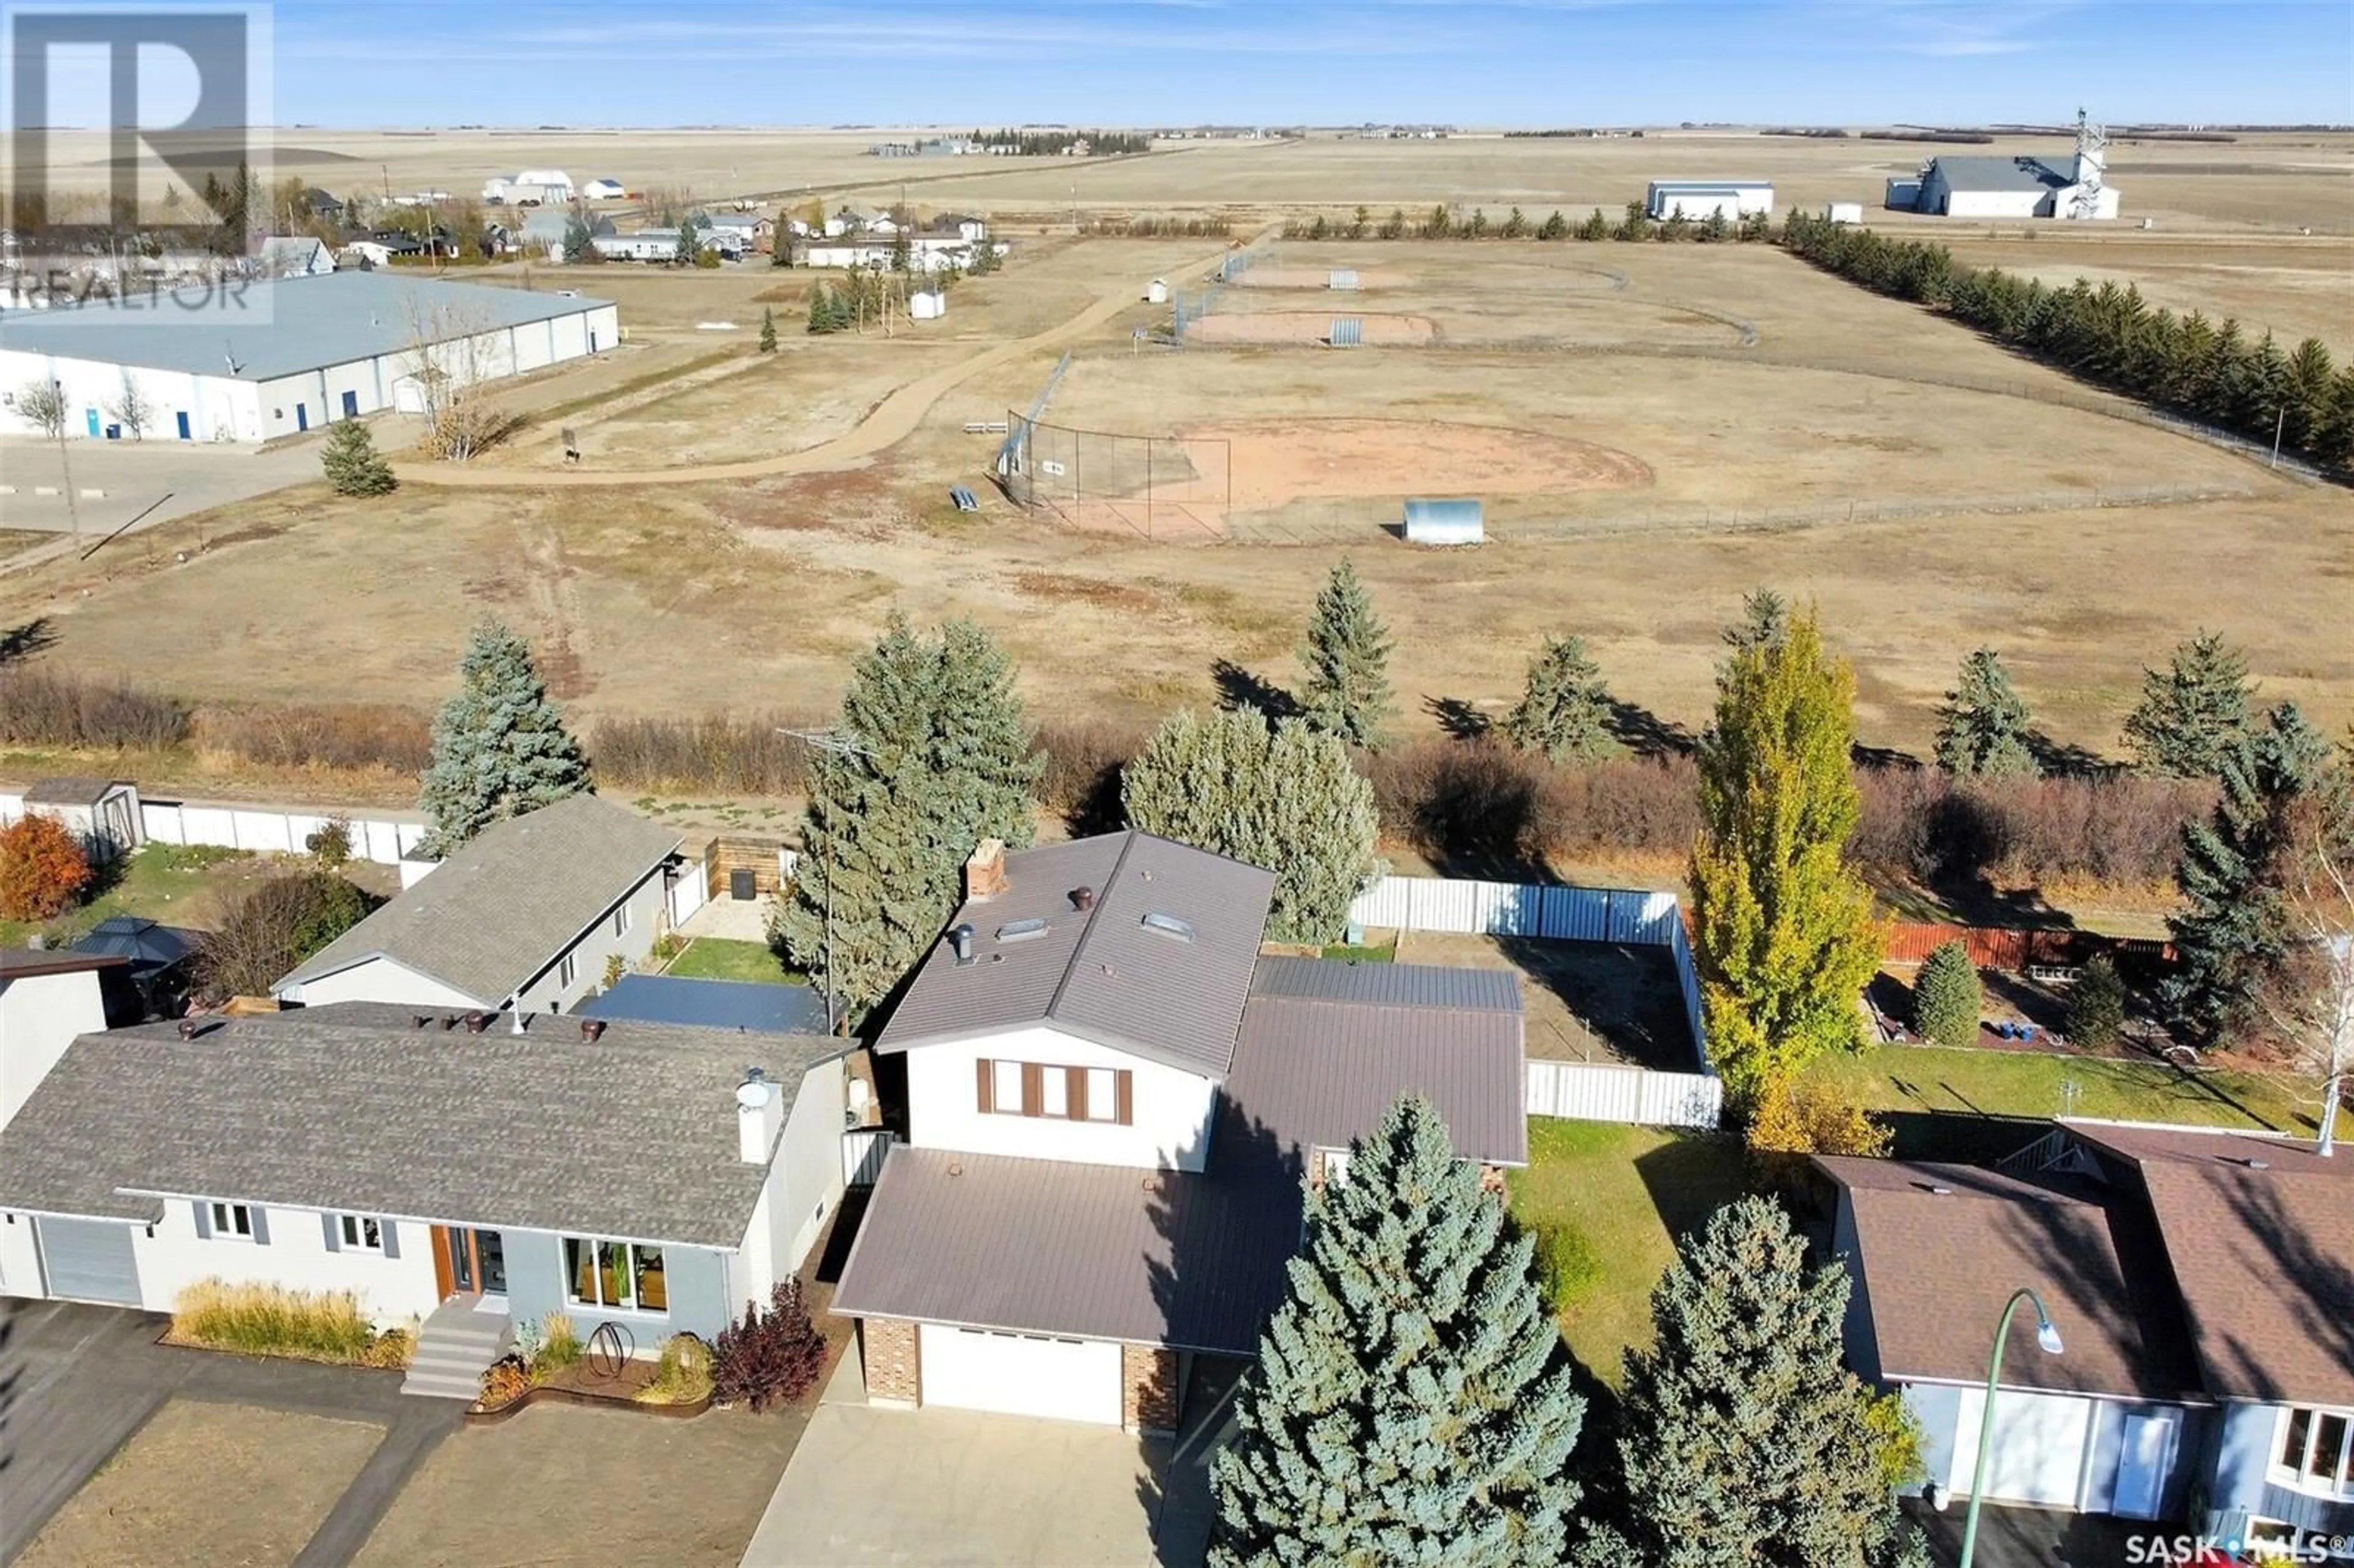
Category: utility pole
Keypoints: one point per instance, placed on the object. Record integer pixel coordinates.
(2280, 423)
(827, 740)
(65, 467)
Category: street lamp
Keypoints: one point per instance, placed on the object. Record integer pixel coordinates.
(827, 740)
(2047, 1338)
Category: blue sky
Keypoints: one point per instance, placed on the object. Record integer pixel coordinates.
(1536, 62)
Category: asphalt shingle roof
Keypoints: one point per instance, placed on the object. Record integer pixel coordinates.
(276, 328)
(1326, 1048)
(1102, 974)
(500, 909)
(1937, 1267)
(354, 1107)
(2262, 1253)
(1093, 1252)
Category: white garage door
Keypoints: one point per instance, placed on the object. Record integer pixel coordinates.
(1020, 1375)
(2038, 1447)
(89, 1260)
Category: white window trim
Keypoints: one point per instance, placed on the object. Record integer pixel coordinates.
(622, 921)
(635, 1308)
(225, 1216)
(2293, 1477)
(353, 1229)
(567, 970)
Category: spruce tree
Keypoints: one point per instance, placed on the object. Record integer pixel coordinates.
(2193, 711)
(1982, 724)
(1564, 709)
(1783, 934)
(2235, 929)
(1281, 796)
(352, 465)
(1411, 1404)
(1347, 654)
(1764, 618)
(768, 329)
(1745, 1439)
(2096, 1005)
(1948, 997)
(500, 748)
(821, 311)
(933, 756)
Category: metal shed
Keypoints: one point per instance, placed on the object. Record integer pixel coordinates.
(1343, 278)
(1347, 332)
(1460, 521)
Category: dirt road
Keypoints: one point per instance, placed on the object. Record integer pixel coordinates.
(893, 420)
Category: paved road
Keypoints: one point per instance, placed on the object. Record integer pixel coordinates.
(892, 421)
(146, 483)
(75, 1383)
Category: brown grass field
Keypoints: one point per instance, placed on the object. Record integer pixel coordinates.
(1633, 452)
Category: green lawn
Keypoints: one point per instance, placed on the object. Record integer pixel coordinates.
(175, 884)
(1609, 1203)
(1347, 954)
(2028, 1083)
(716, 958)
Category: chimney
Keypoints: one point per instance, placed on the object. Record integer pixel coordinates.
(477, 1021)
(984, 873)
(1083, 898)
(756, 1117)
(961, 938)
(592, 1028)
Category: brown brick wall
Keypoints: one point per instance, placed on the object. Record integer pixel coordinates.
(1148, 1377)
(889, 1346)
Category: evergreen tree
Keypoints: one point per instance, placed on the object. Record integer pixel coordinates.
(1764, 618)
(1554, 227)
(1745, 1440)
(352, 465)
(934, 757)
(2235, 929)
(578, 241)
(1564, 709)
(500, 748)
(1982, 724)
(1283, 797)
(1948, 997)
(1411, 1404)
(1784, 939)
(820, 310)
(768, 329)
(2194, 711)
(1347, 654)
(689, 245)
(2096, 1005)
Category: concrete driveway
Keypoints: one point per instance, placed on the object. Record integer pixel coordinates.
(130, 486)
(952, 1488)
(2039, 1538)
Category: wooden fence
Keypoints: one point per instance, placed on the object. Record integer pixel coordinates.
(2014, 949)
(1634, 916)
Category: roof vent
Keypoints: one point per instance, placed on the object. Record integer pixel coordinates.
(961, 938)
(2254, 1164)
(592, 1028)
(1941, 1191)
(187, 1028)
(421, 1020)
(1020, 930)
(449, 1020)
(955, 1169)
(1169, 926)
(1083, 898)
(477, 1021)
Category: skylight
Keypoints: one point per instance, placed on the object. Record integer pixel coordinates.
(1169, 926)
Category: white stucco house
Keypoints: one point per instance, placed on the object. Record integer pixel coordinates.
(1111, 1099)
(528, 915)
(46, 999)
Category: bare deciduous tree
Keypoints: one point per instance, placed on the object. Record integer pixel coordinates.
(2309, 997)
(132, 408)
(450, 354)
(44, 403)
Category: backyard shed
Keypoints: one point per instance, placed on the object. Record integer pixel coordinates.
(1460, 521)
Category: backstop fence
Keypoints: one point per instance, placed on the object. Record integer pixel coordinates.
(1169, 488)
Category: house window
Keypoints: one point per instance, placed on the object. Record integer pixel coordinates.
(625, 1276)
(2313, 1452)
(567, 971)
(361, 1232)
(1057, 1093)
(232, 1222)
(622, 921)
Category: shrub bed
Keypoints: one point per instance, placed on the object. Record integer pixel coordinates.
(270, 1320)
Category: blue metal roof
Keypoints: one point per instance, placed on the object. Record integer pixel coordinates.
(147, 944)
(261, 331)
(711, 1004)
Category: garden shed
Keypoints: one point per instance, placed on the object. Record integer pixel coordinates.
(1460, 521)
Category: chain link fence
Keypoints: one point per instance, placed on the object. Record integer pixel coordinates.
(1155, 487)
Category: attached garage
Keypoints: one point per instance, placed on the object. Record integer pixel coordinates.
(89, 1260)
(1020, 1375)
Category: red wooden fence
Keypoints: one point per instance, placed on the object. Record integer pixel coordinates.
(2014, 947)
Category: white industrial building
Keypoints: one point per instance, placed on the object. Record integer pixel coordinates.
(248, 362)
(527, 187)
(2019, 185)
(1701, 199)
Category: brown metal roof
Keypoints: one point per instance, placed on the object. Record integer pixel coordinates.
(23, 963)
(1937, 1267)
(2260, 1232)
(1319, 1070)
(1092, 1252)
(1103, 973)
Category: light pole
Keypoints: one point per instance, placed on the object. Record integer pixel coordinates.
(827, 740)
(2048, 1339)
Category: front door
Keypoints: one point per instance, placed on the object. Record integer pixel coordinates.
(478, 1262)
(182, 417)
(2146, 1454)
(302, 417)
(351, 404)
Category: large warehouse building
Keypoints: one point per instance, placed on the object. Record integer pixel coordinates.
(250, 363)
(2019, 185)
(1703, 199)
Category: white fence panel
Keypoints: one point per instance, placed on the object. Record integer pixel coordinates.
(159, 822)
(1681, 1099)
(11, 807)
(863, 1150)
(687, 895)
(264, 831)
(375, 841)
(1608, 1091)
(209, 825)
